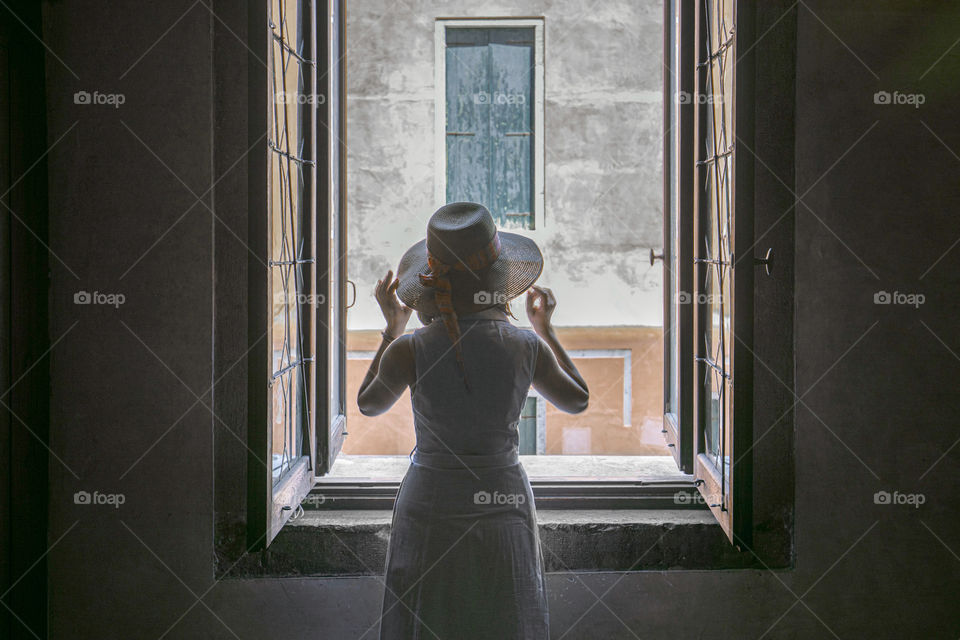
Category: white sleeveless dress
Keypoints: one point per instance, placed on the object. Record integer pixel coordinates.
(464, 560)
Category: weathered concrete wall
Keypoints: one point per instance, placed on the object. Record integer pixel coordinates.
(880, 416)
(603, 149)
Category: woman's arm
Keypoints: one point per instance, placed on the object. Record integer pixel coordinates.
(389, 375)
(393, 368)
(555, 376)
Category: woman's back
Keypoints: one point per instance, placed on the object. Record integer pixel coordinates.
(464, 558)
(500, 360)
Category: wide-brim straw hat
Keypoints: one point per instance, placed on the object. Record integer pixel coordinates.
(456, 233)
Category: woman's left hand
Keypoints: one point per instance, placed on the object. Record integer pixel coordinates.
(394, 312)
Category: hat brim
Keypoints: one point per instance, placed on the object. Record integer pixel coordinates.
(518, 266)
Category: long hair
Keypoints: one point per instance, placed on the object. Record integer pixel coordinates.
(462, 286)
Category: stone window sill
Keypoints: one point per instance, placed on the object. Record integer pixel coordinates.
(354, 543)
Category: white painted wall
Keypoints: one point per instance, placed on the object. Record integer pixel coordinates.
(603, 202)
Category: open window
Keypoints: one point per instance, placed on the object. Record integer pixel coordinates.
(723, 287)
(296, 398)
(298, 380)
(708, 237)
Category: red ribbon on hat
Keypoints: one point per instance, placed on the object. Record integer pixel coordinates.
(439, 280)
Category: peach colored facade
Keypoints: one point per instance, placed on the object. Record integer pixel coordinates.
(605, 356)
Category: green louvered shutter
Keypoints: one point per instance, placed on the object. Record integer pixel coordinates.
(489, 95)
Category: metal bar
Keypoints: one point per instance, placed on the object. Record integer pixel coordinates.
(512, 133)
(559, 493)
(460, 133)
(713, 365)
(719, 50)
(289, 367)
(288, 156)
(722, 154)
(277, 263)
(311, 374)
(283, 45)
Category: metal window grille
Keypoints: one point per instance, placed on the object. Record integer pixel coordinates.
(291, 152)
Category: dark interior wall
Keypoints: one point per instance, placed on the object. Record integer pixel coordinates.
(876, 410)
(879, 215)
(124, 219)
(24, 383)
(235, 141)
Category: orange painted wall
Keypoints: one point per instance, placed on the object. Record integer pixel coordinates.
(601, 424)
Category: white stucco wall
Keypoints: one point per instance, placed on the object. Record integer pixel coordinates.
(603, 193)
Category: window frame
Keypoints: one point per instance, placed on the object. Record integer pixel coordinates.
(332, 217)
(575, 493)
(271, 504)
(679, 19)
(440, 106)
(236, 495)
(730, 502)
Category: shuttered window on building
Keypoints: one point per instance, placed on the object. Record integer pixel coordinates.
(490, 128)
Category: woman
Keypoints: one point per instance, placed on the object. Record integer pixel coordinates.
(464, 559)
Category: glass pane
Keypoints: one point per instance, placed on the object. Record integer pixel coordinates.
(286, 223)
(289, 406)
(716, 224)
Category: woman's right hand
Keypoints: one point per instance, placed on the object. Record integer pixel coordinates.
(540, 305)
(394, 312)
